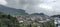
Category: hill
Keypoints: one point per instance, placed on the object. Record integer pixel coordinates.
(12, 11)
(8, 21)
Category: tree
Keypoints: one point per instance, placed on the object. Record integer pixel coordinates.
(8, 21)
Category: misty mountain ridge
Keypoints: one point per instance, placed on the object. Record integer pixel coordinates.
(12, 11)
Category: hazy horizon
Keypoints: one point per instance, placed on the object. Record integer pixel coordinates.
(48, 7)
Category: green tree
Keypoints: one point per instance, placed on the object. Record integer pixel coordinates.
(8, 21)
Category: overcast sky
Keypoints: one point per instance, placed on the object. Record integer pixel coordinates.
(49, 7)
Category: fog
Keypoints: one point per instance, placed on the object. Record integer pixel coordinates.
(48, 7)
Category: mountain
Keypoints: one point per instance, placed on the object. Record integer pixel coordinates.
(12, 11)
(38, 14)
(56, 16)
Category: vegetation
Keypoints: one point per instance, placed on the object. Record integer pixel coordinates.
(34, 24)
(49, 24)
(56, 16)
(8, 21)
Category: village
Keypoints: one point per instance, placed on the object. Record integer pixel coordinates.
(38, 21)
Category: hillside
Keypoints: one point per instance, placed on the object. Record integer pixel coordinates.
(8, 21)
(12, 11)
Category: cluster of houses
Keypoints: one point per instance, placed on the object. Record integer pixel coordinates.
(39, 19)
(56, 21)
(36, 20)
(33, 18)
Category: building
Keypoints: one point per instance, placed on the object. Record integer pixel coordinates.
(57, 21)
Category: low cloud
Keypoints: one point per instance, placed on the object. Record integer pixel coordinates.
(3, 2)
(49, 7)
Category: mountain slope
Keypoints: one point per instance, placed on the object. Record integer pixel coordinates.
(12, 11)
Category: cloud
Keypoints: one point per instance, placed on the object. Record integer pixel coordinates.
(49, 7)
(3, 2)
(45, 6)
(52, 7)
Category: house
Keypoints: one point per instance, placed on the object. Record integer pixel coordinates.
(20, 19)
